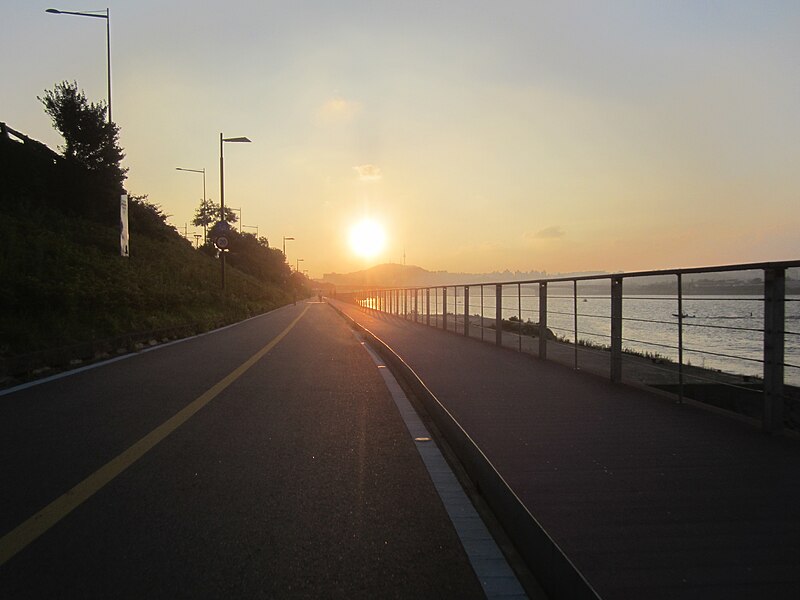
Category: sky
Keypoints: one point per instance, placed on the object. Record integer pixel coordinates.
(556, 136)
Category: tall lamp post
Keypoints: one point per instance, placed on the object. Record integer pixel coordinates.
(284, 245)
(297, 267)
(203, 171)
(222, 140)
(97, 14)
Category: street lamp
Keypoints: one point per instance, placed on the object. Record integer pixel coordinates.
(297, 266)
(222, 190)
(203, 171)
(98, 15)
(284, 245)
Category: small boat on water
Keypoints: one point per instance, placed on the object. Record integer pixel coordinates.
(683, 316)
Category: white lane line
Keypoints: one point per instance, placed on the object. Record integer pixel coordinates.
(496, 576)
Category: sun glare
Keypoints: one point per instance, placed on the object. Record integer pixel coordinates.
(367, 238)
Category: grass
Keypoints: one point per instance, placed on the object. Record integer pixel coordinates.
(65, 283)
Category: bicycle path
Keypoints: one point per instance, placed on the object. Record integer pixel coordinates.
(648, 498)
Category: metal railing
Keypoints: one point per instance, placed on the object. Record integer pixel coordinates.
(696, 333)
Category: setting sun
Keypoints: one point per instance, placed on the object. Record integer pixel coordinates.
(367, 238)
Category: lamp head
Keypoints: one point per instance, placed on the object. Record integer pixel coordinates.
(53, 11)
(236, 139)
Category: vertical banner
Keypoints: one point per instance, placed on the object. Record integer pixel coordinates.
(123, 225)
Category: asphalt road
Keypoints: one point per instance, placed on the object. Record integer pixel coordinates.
(294, 478)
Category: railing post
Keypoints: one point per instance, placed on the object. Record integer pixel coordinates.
(482, 312)
(466, 310)
(519, 312)
(455, 309)
(774, 325)
(680, 338)
(575, 317)
(543, 320)
(498, 316)
(444, 308)
(416, 305)
(427, 306)
(616, 329)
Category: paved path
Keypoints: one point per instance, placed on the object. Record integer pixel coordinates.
(294, 478)
(650, 499)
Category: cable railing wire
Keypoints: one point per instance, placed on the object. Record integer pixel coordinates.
(524, 301)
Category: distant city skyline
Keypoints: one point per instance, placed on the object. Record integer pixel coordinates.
(531, 136)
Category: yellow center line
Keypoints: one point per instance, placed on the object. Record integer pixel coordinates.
(27, 532)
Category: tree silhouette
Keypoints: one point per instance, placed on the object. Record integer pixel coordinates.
(89, 139)
(207, 214)
(90, 176)
(253, 255)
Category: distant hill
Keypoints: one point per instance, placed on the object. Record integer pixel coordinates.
(386, 275)
(396, 275)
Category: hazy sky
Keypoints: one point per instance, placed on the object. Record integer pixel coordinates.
(558, 136)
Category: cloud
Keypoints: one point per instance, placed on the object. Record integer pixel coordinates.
(548, 233)
(338, 109)
(368, 172)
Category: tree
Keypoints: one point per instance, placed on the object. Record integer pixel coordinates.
(208, 213)
(89, 139)
(90, 177)
(204, 216)
(253, 255)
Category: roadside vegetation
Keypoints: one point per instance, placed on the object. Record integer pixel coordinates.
(63, 279)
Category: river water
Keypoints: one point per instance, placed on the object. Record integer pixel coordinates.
(719, 332)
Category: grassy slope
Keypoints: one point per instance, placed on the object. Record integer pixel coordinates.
(62, 281)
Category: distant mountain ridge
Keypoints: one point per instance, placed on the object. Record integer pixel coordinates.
(396, 275)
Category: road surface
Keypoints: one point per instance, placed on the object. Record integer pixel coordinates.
(266, 460)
